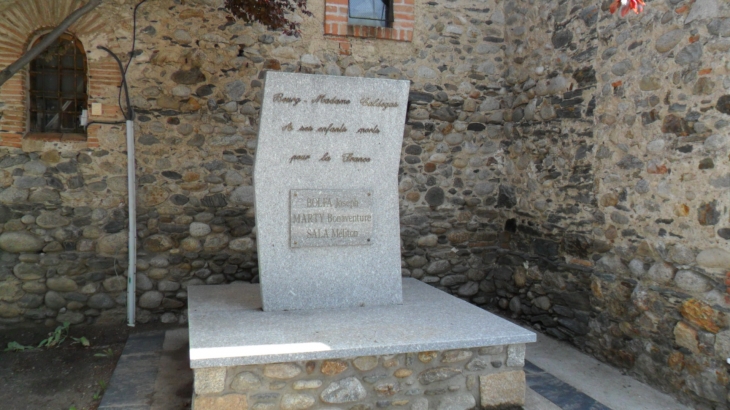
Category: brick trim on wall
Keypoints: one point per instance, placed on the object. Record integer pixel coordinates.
(24, 21)
(335, 23)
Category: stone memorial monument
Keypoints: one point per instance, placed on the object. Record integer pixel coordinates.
(326, 185)
(332, 324)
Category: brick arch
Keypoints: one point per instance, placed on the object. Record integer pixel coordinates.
(20, 24)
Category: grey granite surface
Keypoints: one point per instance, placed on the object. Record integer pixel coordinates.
(227, 327)
(329, 133)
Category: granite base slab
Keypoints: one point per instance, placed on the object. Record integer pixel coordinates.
(228, 327)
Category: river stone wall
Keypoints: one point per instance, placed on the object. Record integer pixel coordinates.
(484, 378)
(561, 165)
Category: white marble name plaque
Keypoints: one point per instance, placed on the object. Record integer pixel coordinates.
(331, 217)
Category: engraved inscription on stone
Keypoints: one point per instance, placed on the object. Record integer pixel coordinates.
(330, 217)
(329, 140)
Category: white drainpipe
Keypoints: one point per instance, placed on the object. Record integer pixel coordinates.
(132, 190)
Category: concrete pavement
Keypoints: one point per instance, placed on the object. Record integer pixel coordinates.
(601, 382)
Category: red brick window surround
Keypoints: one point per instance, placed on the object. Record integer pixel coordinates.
(20, 24)
(401, 28)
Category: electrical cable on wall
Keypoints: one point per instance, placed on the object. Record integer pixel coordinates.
(123, 70)
(134, 34)
(129, 115)
(131, 170)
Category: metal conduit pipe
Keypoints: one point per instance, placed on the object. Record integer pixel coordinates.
(132, 190)
(131, 183)
(132, 200)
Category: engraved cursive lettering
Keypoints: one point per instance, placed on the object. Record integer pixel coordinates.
(326, 157)
(349, 157)
(378, 103)
(298, 158)
(373, 130)
(323, 99)
(331, 128)
(280, 98)
(288, 127)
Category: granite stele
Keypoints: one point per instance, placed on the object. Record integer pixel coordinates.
(333, 324)
(326, 185)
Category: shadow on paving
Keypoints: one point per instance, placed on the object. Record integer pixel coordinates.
(153, 373)
(59, 378)
(557, 391)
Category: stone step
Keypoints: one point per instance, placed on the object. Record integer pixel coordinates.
(153, 373)
(174, 384)
(133, 382)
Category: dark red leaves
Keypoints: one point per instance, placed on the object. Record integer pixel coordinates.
(271, 13)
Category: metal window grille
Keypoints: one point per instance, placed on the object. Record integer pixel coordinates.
(377, 13)
(58, 79)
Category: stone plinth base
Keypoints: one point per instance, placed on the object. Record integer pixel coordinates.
(434, 351)
(487, 377)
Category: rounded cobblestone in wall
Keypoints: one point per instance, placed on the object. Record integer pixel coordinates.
(34, 287)
(150, 299)
(437, 375)
(71, 317)
(454, 356)
(296, 401)
(199, 229)
(215, 242)
(115, 284)
(158, 243)
(167, 286)
(245, 245)
(29, 271)
(333, 367)
(101, 301)
(344, 391)
(365, 363)
(113, 245)
(18, 242)
(61, 284)
(54, 300)
(281, 371)
(168, 317)
(714, 258)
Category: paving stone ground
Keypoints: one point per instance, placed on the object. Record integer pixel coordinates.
(573, 380)
(62, 377)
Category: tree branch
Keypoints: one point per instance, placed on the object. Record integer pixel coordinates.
(31, 54)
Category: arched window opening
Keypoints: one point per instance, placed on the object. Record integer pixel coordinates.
(58, 84)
